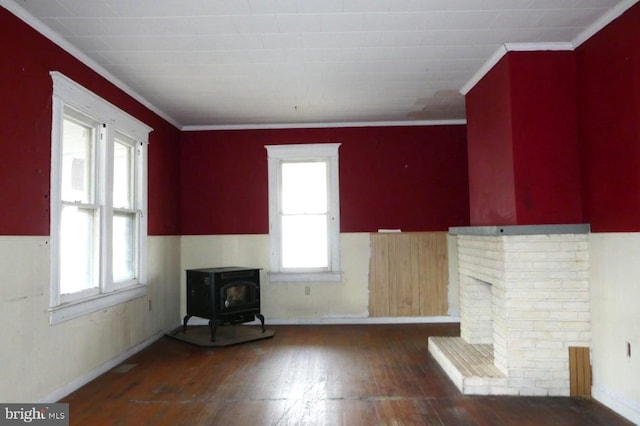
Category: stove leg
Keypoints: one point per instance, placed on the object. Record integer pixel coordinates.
(212, 326)
(261, 318)
(184, 323)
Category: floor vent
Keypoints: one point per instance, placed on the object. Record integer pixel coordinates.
(123, 368)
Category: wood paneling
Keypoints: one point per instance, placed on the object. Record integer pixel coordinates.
(408, 274)
(580, 371)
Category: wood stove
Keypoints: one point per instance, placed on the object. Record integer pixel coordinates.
(228, 295)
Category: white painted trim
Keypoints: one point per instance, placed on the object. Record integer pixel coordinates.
(67, 92)
(417, 123)
(314, 277)
(365, 321)
(56, 38)
(603, 21)
(55, 184)
(598, 25)
(143, 204)
(346, 320)
(503, 50)
(618, 403)
(46, 31)
(302, 151)
(75, 309)
(538, 47)
(93, 374)
(87, 102)
(276, 155)
(484, 69)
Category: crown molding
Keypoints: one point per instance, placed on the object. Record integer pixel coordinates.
(323, 125)
(538, 47)
(511, 47)
(484, 69)
(56, 38)
(603, 21)
(598, 25)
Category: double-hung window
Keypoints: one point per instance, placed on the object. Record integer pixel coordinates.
(304, 212)
(98, 203)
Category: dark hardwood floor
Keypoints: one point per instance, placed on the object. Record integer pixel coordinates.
(309, 375)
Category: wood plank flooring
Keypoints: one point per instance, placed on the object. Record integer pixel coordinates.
(309, 375)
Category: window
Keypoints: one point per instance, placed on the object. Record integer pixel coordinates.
(98, 203)
(304, 212)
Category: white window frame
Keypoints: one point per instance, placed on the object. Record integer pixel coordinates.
(276, 155)
(68, 94)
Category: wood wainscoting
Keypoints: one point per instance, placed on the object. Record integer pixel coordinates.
(408, 274)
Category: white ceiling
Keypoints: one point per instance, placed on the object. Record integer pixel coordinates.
(269, 62)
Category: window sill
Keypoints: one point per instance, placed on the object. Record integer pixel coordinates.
(288, 277)
(82, 307)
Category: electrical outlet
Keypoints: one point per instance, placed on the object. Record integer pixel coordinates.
(307, 291)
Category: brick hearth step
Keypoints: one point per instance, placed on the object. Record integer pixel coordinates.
(469, 366)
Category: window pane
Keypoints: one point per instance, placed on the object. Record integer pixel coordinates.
(124, 247)
(122, 175)
(78, 266)
(77, 161)
(304, 241)
(304, 188)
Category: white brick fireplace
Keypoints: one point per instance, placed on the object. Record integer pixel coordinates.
(524, 300)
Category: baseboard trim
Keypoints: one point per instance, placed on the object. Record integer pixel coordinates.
(347, 321)
(618, 403)
(81, 381)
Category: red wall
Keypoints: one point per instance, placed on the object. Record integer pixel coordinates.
(547, 168)
(412, 178)
(523, 152)
(609, 117)
(491, 175)
(407, 178)
(25, 133)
